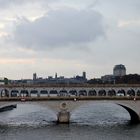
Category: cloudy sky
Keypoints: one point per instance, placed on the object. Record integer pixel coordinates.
(68, 37)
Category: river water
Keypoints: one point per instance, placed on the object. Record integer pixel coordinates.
(94, 121)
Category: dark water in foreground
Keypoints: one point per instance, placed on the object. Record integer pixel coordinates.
(95, 121)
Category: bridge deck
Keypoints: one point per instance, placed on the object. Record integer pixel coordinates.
(67, 85)
(67, 98)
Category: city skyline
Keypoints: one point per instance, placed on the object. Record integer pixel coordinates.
(118, 70)
(68, 37)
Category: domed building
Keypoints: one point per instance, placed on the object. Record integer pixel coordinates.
(119, 70)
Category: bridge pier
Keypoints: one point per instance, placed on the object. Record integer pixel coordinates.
(63, 117)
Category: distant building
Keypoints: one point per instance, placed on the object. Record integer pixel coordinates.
(108, 79)
(52, 80)
(3, 81)
(59, 79)
(119, 70)
(34, 76)
(84, 75)
(55, 75)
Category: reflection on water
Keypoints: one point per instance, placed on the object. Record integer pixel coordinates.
(93, 121)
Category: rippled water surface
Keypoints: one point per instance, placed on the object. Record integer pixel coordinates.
(94, 121)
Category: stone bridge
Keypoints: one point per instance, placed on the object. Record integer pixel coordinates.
(63, 106)
(64, 99)
(78, 90)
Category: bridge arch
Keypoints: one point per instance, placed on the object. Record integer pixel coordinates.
(14, 93)
(92, 93)
(34, 92)
(102, 92)
(24, 92)
(121, 92)
(138, 93)
(5, 93)
(73, 92)
(112, 92)
(134, 115)
(44, 93)
(53, 92)
(131, 92)
(63, 92)
(131, 108)
(82, 92)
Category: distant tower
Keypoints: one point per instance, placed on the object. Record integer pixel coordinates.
(119, 70)
(55, 75)
(84, 75)
(34, 76)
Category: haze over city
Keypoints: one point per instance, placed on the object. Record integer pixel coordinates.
(68, 37)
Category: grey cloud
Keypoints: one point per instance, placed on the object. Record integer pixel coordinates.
(7, 3)
(63, 27)
(120, 9)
